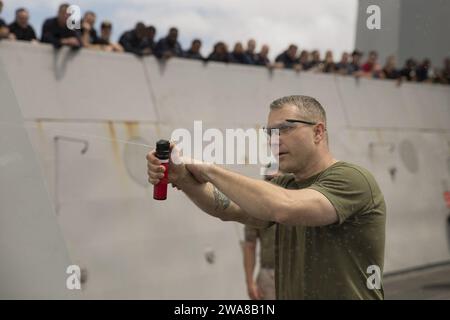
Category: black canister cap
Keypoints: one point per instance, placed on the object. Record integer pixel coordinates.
(163, 149)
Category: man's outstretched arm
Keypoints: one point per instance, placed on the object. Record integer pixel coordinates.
(205, 195)
(212, 201)
(268, 202)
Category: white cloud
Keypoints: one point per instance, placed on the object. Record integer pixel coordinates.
(311, 24)
(325, 24)
(51, 4)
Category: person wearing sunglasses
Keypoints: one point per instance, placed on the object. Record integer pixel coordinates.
(330, 215)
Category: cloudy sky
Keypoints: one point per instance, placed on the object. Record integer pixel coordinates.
(311, 24)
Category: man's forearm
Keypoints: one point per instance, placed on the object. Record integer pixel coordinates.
(249, 260)
(255, 197)
(209, 199)
(205, 196)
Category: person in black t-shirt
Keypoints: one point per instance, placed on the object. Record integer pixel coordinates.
(169, 46)
(220, 53)
(408, 72)
(355, 66)
(139, 40)
(262, 58)
(238, 55)
(287, 59)
(328, 65)
(444, 74)
(424, 71)
(389, 70)
(303, 60)
(316, 63)
(343, 65)
(194, 51)
(250, 52)
(56, 32)
(4, 30)
(20, 28)
(88, 32)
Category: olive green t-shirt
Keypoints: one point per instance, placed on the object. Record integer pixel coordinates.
(267, 244)
(334, 261)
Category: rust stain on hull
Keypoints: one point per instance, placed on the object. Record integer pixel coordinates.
(113, 137)
(121, 172)
(132, 128)
(40, 128)
(39, 125)
(43, 136)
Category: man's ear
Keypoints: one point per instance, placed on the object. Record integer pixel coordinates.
(319, 132)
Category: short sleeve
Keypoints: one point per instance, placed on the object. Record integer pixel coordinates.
(347, 189)
(250, 233)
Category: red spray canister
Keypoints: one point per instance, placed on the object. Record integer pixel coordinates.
(163, 154)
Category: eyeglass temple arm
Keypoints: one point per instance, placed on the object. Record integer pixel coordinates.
(301, 121)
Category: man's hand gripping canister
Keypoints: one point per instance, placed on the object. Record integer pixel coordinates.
(163, 154)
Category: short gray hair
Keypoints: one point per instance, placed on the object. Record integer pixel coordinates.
(308, 107)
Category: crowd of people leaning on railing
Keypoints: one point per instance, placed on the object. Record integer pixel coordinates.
(141, 41)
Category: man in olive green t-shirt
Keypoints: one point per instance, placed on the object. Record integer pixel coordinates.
(332, 261)
(264, 286)
(330, 215)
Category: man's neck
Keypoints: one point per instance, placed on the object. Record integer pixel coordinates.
(315, 167)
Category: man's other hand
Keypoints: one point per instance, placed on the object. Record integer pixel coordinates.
(253, 291)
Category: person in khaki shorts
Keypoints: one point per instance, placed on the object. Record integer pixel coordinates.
(330, 215)
(264, 286)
